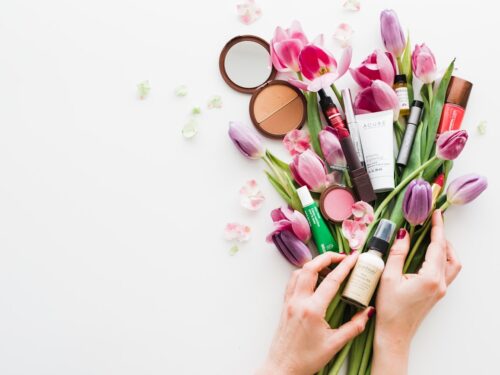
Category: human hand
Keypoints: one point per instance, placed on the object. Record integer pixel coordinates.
(304, 342)
(403, 300)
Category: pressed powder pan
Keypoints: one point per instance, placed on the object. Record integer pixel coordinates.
(276, 107)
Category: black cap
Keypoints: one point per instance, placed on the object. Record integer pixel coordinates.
(400, 78)
(382, 237)
(417, 103)
(325, 100)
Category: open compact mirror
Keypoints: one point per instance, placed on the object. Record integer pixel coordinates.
(276, 107)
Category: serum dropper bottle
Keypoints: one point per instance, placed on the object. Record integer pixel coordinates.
(368, 269)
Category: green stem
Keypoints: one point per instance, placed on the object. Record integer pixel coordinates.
(333, 305)
(412, 231)
(338, 95)
(368, 347)
(273, 169)
(339, 361)
(430, 92)
(400, 65)
(401, 185)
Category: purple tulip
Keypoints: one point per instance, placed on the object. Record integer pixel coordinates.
(466, 188)
(424, 63)
(392, 33)
(246, 140)
(293, 249)
(284, 218)
(417, 202)
(378, 97)
(330, 146)
(379, 65)
(450, 144)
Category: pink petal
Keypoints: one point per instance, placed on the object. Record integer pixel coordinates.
(300, 227)
(319, 40)
(343, 34)
(251, 197)
(296, 141)
(362, 212)
(296, 32)
(238, 232)
(322, 82)
(288, 53)
(360, 78)
(345, 61)
(353, 5)
(248, 12)
(299, 84)
(355, 233)
(385, 67)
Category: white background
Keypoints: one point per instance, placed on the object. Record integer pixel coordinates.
(112, 257)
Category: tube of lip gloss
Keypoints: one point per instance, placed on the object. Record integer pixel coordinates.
(436, 187)
(457, 97)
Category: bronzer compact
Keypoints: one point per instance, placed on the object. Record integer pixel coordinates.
(276, 107)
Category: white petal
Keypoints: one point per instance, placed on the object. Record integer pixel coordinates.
(215, 102)
(343, 34)
(248, 12)
(354, 5)
(190, 129)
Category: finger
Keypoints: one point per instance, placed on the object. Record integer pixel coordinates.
(453, 265)
(346, 332)
(397, 255)
(308, 275)
(435, 258)
(330, 285)
(290, 288)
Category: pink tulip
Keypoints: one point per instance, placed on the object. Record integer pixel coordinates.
(424, 63)
(392, 32)
(379, 65)
(450, 144)
(466, 188)
(320, 67)
(377, 97)
(286, 46)
(308, 169)
(285, 218)
(330, 146)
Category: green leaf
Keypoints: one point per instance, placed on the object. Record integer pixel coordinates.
(277, 186)
(435, 113)
(278, 162)
(314, 121)
(431, 171)
(407, 70)
(292, 193)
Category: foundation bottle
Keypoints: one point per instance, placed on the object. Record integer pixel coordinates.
(366, 274)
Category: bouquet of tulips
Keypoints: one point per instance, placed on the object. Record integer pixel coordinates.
(318, 160)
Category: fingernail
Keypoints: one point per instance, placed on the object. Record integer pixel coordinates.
(401, 234)
(371, 312)
(354, 252)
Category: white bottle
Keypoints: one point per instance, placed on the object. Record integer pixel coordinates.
(366, 274)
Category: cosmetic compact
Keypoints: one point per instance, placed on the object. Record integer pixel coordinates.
(276, 106)
(336, 203)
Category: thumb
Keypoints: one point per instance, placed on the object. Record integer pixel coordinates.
(397, 256)
(347, 331)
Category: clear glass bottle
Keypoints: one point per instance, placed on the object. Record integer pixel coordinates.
(366, 274)
(401, 88)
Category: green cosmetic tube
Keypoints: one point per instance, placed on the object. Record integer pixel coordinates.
(321, 234)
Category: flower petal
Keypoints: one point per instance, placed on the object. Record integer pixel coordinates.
(248, 12)
(355, 233)
(343, 34)
(251, 196)
(215, 102)
(143, 90)
(238, 232)
(190, 129)
(353, 5)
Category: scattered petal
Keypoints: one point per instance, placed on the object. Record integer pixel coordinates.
(251, 196)
(481, 128)
(248, 12)
(233, 250)
(355, 232)
(181, 91)
(215, 102)
(354, 5)
(296, 141)
(190, 129)
(143, 89)
(196, 111)
(363, 212)
(237, 232)
(343, 34)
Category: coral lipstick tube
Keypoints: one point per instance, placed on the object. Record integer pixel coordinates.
(457, 97)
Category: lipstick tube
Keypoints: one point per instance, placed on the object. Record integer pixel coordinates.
(359, 177)
(409, 136)
(436, 187)
(352, 124)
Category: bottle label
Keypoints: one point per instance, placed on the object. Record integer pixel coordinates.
(451, 118)
(362, 282)
(404, 101)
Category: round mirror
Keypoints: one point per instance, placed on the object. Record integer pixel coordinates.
(245, 63)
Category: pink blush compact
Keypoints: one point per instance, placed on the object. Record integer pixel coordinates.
(336, 203)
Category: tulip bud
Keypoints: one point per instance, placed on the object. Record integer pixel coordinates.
(308, 169)
(450, 144)
(246, 140)
(330, 146)
(392, 33)
(417, 202)
(293, 249)
(286, 46)
(285, 218)
(424, 63)
(377, 97)
(466, 188)
(379, 65)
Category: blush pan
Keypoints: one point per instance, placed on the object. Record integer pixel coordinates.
(277, 108)
(336, 203)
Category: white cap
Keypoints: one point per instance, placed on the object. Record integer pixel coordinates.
(305, 196)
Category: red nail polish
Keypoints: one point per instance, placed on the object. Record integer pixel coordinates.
(371, 312)
(401, 234)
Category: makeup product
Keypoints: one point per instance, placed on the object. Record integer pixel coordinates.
(336, 203)
(375, 131)
(352, 124)
(366, 273)
(457, 97)
(276, 107)
(321, 234)
(409, 136)
(401, 88)
(437, 187)
(359, 177)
